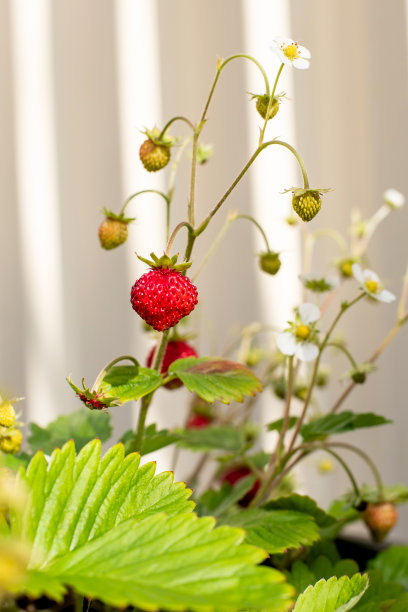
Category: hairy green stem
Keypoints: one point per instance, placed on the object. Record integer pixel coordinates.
(345, 467)
(270, 102)
(174, 234)
(365, 457)
(134, 195)
(178, 118)
(258, 225)
(106, 369)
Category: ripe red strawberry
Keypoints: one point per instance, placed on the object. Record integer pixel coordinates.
(198, 421)
(163, 296)
(175, 349)
(380, 518)
(235, 474)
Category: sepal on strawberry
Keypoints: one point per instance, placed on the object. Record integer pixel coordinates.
(262, 103)
(165, 262)
(93, 399)
(155, 152)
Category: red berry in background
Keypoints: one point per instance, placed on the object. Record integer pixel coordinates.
(380, 518)
(162, 297)
(175, 349)
(198, 421)
(235, 474)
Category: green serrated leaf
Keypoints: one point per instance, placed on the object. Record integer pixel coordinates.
(113, 531)
(302, 503)
(218, 502)
(300, 576)
(174, 563)
(216, 379)
(277, 530)
(393, 564)
(381, 595)
(130, 382)
(79, 498)
(81, 426)
(211, 438)
(333, 595)
(342, 422)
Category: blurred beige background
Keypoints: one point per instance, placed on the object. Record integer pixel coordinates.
(81, 79)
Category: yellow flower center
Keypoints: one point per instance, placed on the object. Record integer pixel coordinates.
(371, 286)
(302, 332)
(346, 268)
(291, 51)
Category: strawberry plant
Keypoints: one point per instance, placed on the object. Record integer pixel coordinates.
(84, 530)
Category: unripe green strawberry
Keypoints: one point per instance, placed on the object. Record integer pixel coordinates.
(380, 518)
(153, 156)
(262, 103)
(7, 414)
(10, 441)
(112, 233)
(269, 262)
(306, 204)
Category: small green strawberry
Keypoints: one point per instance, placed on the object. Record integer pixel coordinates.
(307, 204)
(262, 103)
(10, 440)
(113, 231)
(7, 414)
(155, 152)
(269, 262)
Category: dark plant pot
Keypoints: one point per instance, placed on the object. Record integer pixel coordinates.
(359, 549)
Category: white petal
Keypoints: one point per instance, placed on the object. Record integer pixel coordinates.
(385, 296)
(309, 313)
(370, 275)
(394, 198)
(283, 40)
(286, 343)
(300, 63)
(303, 52)
(358, 273)
(306, 351)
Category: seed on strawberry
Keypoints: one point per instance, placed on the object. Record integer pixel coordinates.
(198, 421)
(380, 518)
(269, 262)
(175, 349)
(163, 295)
(235, 474)
(10, 440)
(7, 414)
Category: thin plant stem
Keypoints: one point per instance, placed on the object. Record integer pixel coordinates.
(299, 423)
(345, 467)
(134, 195)
(371, 226)
(258, 225)
(270, 102)
(110, 365)
(213, 246)
(178, 118)
(174, 234)
(286, 416)
(342, 348)
(365, 457)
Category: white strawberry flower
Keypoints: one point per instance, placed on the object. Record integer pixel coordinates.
(300, 338)
(291, 53)
(393, 198)
(371, 284)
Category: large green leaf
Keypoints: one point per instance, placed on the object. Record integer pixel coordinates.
(81, 426)
(130, 382)
(333, 595)
(216, 379)
(302, 503)
(98, 526)
(342, 422)
(210, 438)
(78, 498)
(382, 595)
(276, 530)
(393, 564)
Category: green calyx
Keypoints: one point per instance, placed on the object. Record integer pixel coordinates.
(269, 262)
(159, 139)
(165, 262)
(109, 214)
